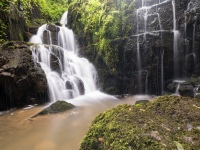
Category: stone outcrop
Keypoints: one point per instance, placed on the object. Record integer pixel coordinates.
(21, 81)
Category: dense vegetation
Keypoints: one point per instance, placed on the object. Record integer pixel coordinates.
(99, 22)
(32, 11)
(169, 122)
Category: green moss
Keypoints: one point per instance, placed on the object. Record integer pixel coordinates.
(58, 106)
(99, 22)
(169, 122)
(11, 47)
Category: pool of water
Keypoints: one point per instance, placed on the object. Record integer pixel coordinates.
(63, 131)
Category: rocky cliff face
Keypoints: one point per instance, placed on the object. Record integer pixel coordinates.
(21, 81)
(157, 51)
(167, 44)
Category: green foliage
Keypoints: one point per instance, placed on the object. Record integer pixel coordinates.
(4, 5)
(22, 9)
(100, 22)
(50, 9)
(3, 30)
(161, 124)
(53, 10)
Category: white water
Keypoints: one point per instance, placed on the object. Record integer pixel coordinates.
(162, 71)
(193, 38)
(176, 39)
(178, 86)
(73, 76)
(63, 20)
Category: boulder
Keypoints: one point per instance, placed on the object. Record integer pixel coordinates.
(58, 106)
(186, 90)
(168, 122)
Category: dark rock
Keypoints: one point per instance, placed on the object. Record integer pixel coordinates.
(80, 85)
(58, 106)
(52, 30)
(69, 85)
(21, 80)
(55, 63)
(186, 90)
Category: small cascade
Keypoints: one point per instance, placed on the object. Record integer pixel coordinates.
(185, 14)
(68, 75)
(139, 67)
(190, 58)
(178, 82)
(142, 16)
(176, 39)
(162, 72)
(146, 82)
(196, 91)
(193, 38)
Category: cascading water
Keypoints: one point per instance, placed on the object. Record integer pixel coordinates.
(144, 12)
(68, 75)
(176, 38)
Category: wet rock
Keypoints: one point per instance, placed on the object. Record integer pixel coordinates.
(58, 106)
(69, 85)
(52, 31)
(186, 90)
(20, 78)
(155, 123)
(55, 63)
(80, 85)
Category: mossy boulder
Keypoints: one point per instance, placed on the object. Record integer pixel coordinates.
(168, 122)
(58, 106)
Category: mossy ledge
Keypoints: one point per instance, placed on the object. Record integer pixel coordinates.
(168, 122)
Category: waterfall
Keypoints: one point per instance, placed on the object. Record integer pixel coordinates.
(178, 82)
(68, 75)
(193, 38)
(176, 38)
(162, 72)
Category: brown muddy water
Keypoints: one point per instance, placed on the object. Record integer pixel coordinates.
(63, 131)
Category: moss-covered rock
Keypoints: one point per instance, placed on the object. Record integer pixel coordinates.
(169, 122)
(58, 106)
